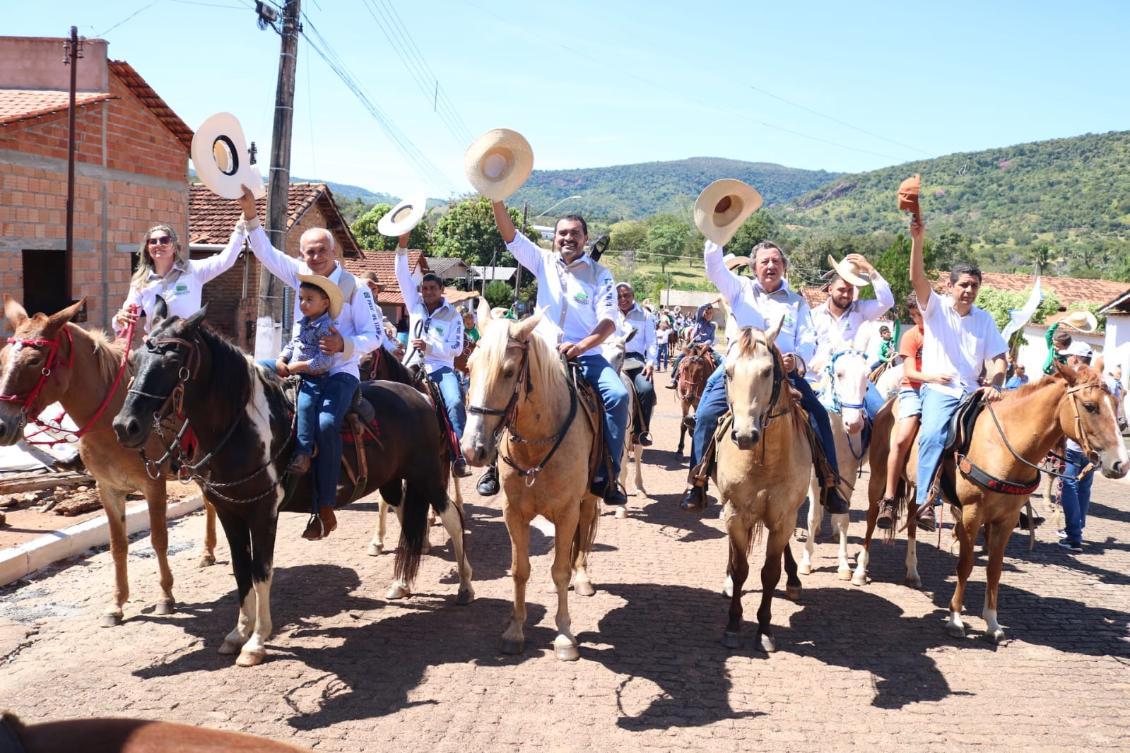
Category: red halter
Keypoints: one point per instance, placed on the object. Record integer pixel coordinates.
(28, 402)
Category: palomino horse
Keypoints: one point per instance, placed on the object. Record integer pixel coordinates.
(48, 359)
(1009, 440)
(845, 387)
(521, 392)
(244, 424)
(616, 351)
(695, 368)
(762, 473)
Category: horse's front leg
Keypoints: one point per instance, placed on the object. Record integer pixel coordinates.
(114, 503)
(239, 543)
(770, 577)
(638, 453)
(263, 530)
(208, 556)
(514, 638)
(996, 537)
(452, 518)
(815, 514)
(156, 499)
(565, 531)
(589, 515)
(737, 572)
(912, 579)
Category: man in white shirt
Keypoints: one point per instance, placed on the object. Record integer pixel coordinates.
(754, 303)
(354, 333)
(642, 349)
(959, 340)
(840, 320)
(578, 298)
(435, 331)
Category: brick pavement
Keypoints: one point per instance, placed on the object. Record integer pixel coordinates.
(348, 671)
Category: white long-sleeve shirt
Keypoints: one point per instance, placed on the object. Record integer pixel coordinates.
(441, 329)
(643, 342)
(753, 306)
(836, 333)
(359, 320)
(183, 285)
(576, 297)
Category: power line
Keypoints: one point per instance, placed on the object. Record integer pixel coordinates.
(127, 18)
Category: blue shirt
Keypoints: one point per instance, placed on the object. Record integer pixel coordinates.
(703, 330)
(1015, 381)
(304, 345)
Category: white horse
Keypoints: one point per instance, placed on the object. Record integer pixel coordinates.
(845, 386)
(615, 350)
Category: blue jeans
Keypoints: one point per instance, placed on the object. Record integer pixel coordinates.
(600, 374)
(309, 394)
(645, 392)
(937, 410)
(1076, 497)
(337, 395)
(661, 356)
(450, 386)
(872, 401)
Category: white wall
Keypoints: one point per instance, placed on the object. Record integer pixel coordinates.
(1033, 354)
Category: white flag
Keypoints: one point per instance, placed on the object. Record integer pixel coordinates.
(1017, 318)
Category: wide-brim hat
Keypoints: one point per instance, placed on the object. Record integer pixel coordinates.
(732, 261)
(403, 217)
(909, 191)
(332, 291)
(498, 163)
(1078, 348)
(849, 272)
(222, 159)
(722, 207)
(1084, 321)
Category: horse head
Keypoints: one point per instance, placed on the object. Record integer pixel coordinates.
(1088, 414)
(171, 357)
(616, 349)
(33, 365)
(754, 381)
(499, 367)
(850, 371)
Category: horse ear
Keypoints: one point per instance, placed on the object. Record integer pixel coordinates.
(482, 314)
(1098, 364)
(61, 317)
(195, 320)
(522, 330)
(1066, 372)
(774, 330)
(160, 310)
(14, 312)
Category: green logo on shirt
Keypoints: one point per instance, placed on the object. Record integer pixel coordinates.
(581, 297)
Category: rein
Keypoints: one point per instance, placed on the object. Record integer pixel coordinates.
(689, 390)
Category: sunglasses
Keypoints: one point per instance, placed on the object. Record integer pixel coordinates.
(164, 240)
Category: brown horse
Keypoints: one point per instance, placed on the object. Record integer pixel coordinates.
(695, 368)
(521, 392)
(129, 736)
(762, 473)
(1009, 440)
(48, 359)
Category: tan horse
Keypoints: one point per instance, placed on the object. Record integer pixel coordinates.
(762, 474)
(520, 391)
(695, 368)
(85, 366)
(1032, 419)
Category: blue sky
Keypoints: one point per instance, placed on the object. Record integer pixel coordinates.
(832, 85)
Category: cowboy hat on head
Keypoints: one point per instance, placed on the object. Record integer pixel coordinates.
(722, 207)
(498, 163)
(402, 217)
(327, 286)
(849, 272)
(732, 261)
(1084, 321)
(1078, 348)
(222, 159)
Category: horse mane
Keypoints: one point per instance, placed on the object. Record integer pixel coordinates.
(228, 363)
(748, 341)
(107, 352)
(1086, 376)
(544, 363)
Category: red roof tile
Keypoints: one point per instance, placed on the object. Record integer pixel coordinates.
(1070, 291)
(140, 89)
(23, 104)
(381, 262)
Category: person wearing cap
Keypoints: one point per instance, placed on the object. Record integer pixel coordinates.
(640, 361)
(839, 320)
(579, 301)
(436, 339)
(353, 334)
(959, 341)
(705, 332)
(753, 303)
(1075, 494)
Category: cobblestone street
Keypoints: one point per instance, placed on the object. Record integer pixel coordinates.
(856, 668)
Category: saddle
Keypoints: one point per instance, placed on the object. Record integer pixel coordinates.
(592, 406)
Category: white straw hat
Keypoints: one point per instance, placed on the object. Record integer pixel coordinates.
(722, 207)
(498, 163)
(222, 159)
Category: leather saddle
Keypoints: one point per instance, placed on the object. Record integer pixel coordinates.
(592, 406)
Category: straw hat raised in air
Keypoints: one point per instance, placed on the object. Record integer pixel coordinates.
(722, 207)
(498, 163)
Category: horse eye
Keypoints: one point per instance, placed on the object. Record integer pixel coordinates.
(508, 373)
(1091, 407)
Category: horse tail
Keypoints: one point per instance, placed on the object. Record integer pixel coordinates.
(414, 529)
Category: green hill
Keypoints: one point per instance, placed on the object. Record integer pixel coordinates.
(637, 191)
(1068, 198)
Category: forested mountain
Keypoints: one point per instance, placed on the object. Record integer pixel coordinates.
(637, 191)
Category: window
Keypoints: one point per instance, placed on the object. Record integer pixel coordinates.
(45, 281)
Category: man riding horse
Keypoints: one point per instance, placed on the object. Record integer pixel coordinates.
(704, 333)
(639, 363)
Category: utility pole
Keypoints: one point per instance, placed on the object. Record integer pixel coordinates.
(271, 316)
(72, 51)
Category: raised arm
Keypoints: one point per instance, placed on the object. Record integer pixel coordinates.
(884, 298)
(918, 279)
(728, 283)
(215, 265)
(404, 279)
(521, 248)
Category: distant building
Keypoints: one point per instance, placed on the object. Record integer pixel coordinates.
(486, 275)
(450, 268)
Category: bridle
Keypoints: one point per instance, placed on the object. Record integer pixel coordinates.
(689, 389)
(838, 405)
(27, 402)
(774, 395)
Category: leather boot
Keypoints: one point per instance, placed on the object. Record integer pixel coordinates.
(488, 482)
(694, 499)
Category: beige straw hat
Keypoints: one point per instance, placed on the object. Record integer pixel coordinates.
(722, 207)
(402, 217)
(498, 163)
(222, 160)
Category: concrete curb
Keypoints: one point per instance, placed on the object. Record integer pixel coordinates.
(68, 542)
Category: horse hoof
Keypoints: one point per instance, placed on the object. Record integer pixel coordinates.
(844, 573)
(792, 593)
(805, 568)
(397, 591)
(731, 639)
(111, 619)
(859, 580)
(767, 644)
(375, 550)
(566, 650)
(207, 560)
(621, 513)
(583, 588)
(728, 590)
(230, 648)
(955, 630)
(912, 582)
(465, 596)
(995, 637)
(511, 647)
(164, 608)
(250, 658)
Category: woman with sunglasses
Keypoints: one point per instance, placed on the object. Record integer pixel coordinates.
(165, 271)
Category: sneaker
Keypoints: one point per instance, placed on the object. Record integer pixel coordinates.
(299, 464)
(1071, 546)
(613, 496)
(1061, 534)
(488, 482)
(927, 521)
(670, 385)
(886, 519)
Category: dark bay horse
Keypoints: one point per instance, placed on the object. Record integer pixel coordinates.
(695, 368)
(48, 359)
(243, 423)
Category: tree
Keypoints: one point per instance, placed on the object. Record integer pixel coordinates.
(669, 238)
(1000, 302)
(467, 231)
(759, 227)
(365, 229)
(498, 293)
(629, 235)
